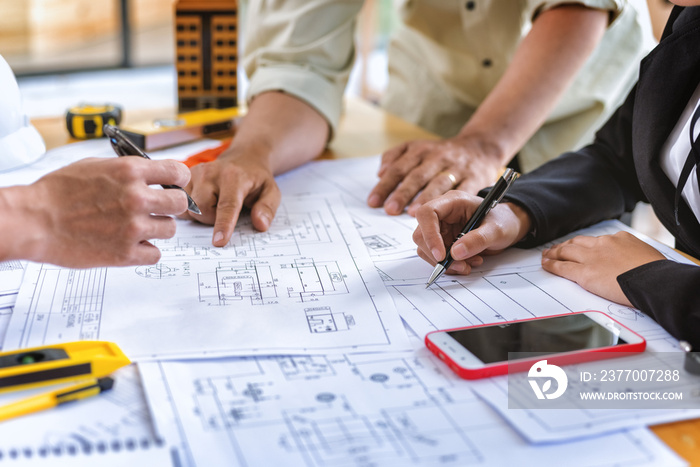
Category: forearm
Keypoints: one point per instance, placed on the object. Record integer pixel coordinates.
(281, 130)
(544, 65)
(597, 182)
(20, 234)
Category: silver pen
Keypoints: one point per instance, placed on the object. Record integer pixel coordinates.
(492, 199)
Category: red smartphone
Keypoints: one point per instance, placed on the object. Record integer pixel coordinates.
(481, 351)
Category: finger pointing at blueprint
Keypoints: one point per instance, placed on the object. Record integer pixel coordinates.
(305, 285)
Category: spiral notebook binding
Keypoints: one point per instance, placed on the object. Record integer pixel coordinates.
(81, 448)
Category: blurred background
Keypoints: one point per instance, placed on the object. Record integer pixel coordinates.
(50, 38)
(56, 46)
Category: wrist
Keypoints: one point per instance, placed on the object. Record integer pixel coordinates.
(255, 151)
(483, 143)
(280, 131)
(523, 222)
(22, 237)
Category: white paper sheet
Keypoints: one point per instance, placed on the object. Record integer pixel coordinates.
(154, 456)
(386, 237)
(512, 261)
(490, 299)
(321, 410)
(306, 285)
(11, 274)
(5, 316)
(553, 425)
(384, 410)
(501, 291)
(64, 155)
(115, 421)
(521, 290)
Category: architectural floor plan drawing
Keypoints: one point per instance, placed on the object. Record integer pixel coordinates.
(556, 425)
(386, 237)
(259, 280)
(311, 270)
(65, 304)
(293, 233)
(506, 297)
(5, 316)
(520, 290)
(414, 270)
(11, 274)
(350, 410)
(503, 291)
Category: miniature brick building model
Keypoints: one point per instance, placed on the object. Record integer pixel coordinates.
(206, 36)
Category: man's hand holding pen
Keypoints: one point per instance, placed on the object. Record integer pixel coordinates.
(108, 221)
(123, 146)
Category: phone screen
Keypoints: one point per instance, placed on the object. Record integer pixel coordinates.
(541, 336)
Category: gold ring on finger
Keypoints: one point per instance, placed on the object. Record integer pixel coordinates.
(453, 179)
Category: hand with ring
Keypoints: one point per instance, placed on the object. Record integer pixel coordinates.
(414, 173)
(450, 176)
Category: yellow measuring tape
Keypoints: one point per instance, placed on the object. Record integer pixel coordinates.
(86, 120)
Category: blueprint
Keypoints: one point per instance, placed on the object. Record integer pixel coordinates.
(507, 290)
(11, 274)
(490, 299)
(414, 270)
(486, 299)
(300, 306)
(352, 410)
(386, 237)
(306, 285)
(555, 425)
(117, 420)
(5, 315)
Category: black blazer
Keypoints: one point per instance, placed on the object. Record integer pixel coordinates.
(621, 167)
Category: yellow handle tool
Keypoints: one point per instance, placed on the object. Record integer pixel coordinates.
(52, 399)
(72, 361)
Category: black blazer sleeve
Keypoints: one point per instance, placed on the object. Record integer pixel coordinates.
(581, 188)
(668, 292)
(602, 180)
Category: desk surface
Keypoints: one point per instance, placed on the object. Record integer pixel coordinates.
(366, 130)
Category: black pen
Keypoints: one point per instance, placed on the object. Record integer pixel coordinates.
(492, 199)
(124, 147)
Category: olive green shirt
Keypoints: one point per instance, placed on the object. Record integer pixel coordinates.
(444, 59)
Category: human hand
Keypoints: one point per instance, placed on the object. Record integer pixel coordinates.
(100, 212)
(595, 262)
(222, 187)
(441, 220)
(431, 168)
